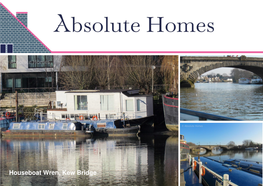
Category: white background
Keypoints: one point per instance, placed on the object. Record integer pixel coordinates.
(237, 24)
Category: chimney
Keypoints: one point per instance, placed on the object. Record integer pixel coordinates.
(22, 16)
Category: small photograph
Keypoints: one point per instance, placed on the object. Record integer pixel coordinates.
(214, 154)
(219, 88)
(88, 120)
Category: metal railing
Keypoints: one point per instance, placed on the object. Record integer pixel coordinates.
(205, 116)
(224, 179)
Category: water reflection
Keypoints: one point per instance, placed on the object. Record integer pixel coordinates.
(123, 161)
(221, 155)
(226, 99)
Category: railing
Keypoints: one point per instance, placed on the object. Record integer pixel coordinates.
(205, 116)
(224, 179)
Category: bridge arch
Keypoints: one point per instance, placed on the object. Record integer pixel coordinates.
(193, 66)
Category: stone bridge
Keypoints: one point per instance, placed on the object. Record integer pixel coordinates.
(193, 66)
(209, 147)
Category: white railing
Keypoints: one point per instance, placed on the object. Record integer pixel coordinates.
(225, 179)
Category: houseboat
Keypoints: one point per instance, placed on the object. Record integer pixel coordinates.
(110, 127)
(128, 106)
(243, 81)
(5, 119)
(256, 81)
(44, 129)
(184, 148)
(170, 109)
(213, 168)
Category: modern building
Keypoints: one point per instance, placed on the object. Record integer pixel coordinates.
(29, 73)
(15, 36)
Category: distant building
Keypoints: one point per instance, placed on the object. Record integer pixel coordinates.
(29, 73)
(15, 37)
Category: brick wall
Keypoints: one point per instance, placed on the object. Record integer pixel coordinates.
(28, 99)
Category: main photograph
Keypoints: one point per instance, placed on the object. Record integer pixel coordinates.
(114, 118)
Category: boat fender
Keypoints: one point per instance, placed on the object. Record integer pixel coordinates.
(81, 117)
(67, 119)
(94, 117)
(7, 114)
(194, 165)
(203, 171)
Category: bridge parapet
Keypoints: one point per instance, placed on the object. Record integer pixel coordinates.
(191, 67)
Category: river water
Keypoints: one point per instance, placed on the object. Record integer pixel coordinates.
(102, 161)
(240, 101)
(250, 155)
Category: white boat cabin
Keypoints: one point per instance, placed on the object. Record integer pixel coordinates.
(101, 104)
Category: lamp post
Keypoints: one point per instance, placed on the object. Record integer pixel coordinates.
(153, 67)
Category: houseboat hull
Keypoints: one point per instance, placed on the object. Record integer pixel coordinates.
(236, 176)
(130, 131)
(170, 109)
(110, 128)
(43, 134)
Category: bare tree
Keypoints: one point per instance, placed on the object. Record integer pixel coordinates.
(105, 70)
(76, 72)
(138, 71)
(231, 144)
(170, 70)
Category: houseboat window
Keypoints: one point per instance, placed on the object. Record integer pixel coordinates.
(81, 102)
(51, 125)
(16, 126)
(112, 116)
(63, 116)
(129, 104)
(41, 126)
(138, 105)
(65, 126)
(106, 102)
(11, 62)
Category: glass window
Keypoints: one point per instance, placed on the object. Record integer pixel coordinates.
(65, 126)
(18, 83)
(81, 102)
(16, 126)
(9, 83)
(48, 79)
(40, 61)
(41, 126)
(11, 62)
(51, 125)
(106, 102)
(138, 105)
(129, 104)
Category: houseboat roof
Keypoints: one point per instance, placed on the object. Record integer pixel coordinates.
(127, 92)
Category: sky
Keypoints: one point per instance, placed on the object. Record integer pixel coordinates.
(221, 133)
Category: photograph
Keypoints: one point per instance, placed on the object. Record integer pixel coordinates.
(214, 154)
(223, 87)
(89, 119)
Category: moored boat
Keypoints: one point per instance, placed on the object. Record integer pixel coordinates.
(256, 81)
(170, 109)
(184, 148)
(243, 81)
(110, 127)
(44, 129)
(236, 175)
